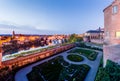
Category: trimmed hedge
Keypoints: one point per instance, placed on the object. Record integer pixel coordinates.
(91, 55)
(83, 45)
(75, 58)
(54, 70)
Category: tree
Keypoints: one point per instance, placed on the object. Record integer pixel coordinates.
(75, 38)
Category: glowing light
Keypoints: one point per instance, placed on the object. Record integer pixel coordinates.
(118, 34)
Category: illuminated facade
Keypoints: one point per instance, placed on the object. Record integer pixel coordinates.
(112, 32)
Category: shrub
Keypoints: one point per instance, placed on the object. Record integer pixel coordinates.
(91, 55)
(110, 73)
(75, 58)
(53, 70)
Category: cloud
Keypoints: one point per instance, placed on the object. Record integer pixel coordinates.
(7, 29)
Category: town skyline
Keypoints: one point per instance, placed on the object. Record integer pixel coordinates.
(51, 17)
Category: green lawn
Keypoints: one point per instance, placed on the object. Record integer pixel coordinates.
(75, 58)
(91, 55)
(54, 70)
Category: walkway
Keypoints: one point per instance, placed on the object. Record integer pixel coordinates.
(93, 64)
(21, 74)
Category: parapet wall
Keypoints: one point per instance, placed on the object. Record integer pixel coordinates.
(24, 60)
(111, 53)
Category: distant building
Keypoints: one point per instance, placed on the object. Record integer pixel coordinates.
(13, 34)
(95, 36)
(80, 35)
(112, 32)
(11, 43)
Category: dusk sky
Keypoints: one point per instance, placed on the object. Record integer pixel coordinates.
(51, 16)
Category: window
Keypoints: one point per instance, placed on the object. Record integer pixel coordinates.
(117, 34)
(115, 9)
(107, 34)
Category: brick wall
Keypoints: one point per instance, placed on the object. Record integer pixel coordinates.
(21, 61)
(112, 23)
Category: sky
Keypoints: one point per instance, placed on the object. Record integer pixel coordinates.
(51, 16)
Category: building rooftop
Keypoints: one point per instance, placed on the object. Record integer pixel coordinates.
(95, 31)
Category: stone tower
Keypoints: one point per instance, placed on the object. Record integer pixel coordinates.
(13, 34)
(112, 32)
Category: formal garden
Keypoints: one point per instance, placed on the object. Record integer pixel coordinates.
(91, 55)
(58, 70)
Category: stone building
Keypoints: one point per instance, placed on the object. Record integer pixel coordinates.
(112, 32)
(95, 36)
